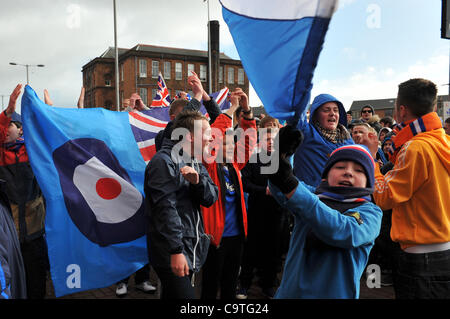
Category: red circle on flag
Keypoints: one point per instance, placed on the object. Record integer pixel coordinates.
(108, 188)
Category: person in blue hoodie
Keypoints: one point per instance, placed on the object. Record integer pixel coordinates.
(323, 133)
(336, 223)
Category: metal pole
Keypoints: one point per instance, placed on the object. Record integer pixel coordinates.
(116, 53)
(209, 53)
(27, 73)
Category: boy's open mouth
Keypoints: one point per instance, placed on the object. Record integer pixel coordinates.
(345, 183)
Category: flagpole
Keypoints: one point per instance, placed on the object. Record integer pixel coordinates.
(209, 54)
(116, 58)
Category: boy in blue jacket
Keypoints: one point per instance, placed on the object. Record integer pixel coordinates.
(335, 224)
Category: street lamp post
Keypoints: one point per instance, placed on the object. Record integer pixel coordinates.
(3, 96)
(27, 66)
(116, 58)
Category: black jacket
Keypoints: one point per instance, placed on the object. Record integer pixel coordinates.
(173, 208)
(12, 270)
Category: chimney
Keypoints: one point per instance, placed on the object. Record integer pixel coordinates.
(215, 54)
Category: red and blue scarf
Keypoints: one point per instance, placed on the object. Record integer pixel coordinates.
(341, 199)
(16, 145)
(407, 130)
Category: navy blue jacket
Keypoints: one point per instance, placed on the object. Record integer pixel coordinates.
(173, 208)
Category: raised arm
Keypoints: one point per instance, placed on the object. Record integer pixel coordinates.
(80, 103)
(47, 99)
(12, 100)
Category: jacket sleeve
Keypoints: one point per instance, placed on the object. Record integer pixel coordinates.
(5, 273)
(249, 175)
(400, 183)
(161, 188)
(193, 105)
(205, 192)
(361, 226)
(4, 123)
(213, 109)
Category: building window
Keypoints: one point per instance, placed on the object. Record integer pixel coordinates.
(231, 75)
(121, 72)
(142, 68)
(178, 71)
(203, 72)
(154, 93)
(167, 66)
(155, 69)
(190, 69)
(240, 76)
(143, 95)
(220, 74)
(108, 80)
(108, 105)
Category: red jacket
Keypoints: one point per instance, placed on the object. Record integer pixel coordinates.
(8, 156)
(25, 196)
(214, 216)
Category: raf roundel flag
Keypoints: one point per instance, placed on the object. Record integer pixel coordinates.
(279, 42)
(90, 166)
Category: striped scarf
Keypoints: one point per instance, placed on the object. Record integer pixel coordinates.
(406, 131)
(341, 199)
(334, 136)
(15, 146)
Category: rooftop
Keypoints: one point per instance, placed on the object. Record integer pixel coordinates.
(109, 53)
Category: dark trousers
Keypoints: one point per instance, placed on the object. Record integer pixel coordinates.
(266, 240)
(423, 276)
(35, 259)
(140, 276)
(174, 287)
(221, 268)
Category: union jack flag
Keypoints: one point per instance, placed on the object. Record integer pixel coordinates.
(146, 124)
(221, 98)
(162, 97)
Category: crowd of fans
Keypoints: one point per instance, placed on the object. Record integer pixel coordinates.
(345, 193)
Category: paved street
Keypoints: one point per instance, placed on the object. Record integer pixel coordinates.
(254, 292)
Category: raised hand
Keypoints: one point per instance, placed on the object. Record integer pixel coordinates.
(196, 85)
(47, 99)
(243, 98)
(12, 100)
(80, 103)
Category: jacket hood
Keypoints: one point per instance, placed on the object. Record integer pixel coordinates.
(440, 144)
(325, 98)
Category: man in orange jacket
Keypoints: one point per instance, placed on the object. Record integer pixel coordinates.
(418, 192)
(226, 220)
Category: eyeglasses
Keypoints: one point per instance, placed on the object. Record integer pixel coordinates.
(366, 111)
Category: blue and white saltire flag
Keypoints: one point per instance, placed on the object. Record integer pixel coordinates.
(279, 42)
(90, 168)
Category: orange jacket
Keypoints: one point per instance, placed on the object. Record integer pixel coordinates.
(214, 216)
(418, 190)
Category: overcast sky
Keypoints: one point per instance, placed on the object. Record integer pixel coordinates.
(370, 47)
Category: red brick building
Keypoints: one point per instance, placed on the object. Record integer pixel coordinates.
(140, 65)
